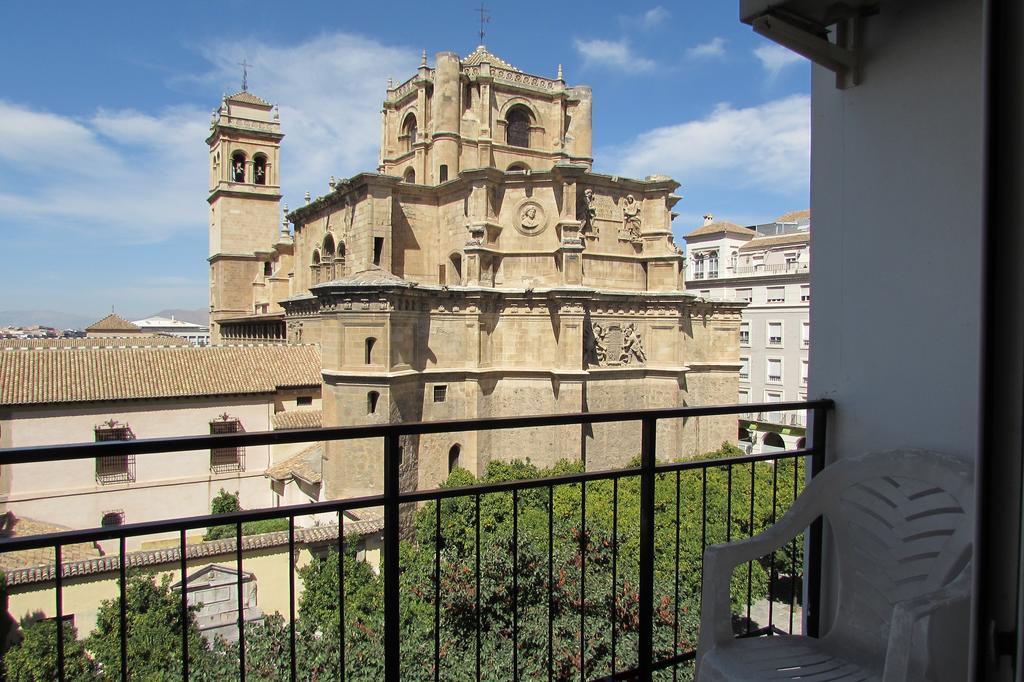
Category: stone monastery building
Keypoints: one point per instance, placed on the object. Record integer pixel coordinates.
(483, 270)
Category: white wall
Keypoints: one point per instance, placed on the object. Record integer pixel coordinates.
(896, 193)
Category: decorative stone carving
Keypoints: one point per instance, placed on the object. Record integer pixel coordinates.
(586, 212)
(531, 218)
(613, 345)
(630, 219)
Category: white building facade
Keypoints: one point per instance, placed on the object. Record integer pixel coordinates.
(768, 267)
(195, 334)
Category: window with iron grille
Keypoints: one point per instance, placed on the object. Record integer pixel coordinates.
(112, 518)
(114, 468)
(440, 393)
(226, 459)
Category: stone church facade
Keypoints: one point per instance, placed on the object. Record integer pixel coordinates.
(484, 270)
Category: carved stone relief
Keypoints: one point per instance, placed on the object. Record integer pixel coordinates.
(530, 218)
(613, 344)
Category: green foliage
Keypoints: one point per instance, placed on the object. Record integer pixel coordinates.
(592, 598)
(225, 503)
(154, 632)
(34, 659)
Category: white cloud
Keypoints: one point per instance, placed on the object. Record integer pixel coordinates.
(330, 91)
(614, 54)
(766, 147)
(122, 175)
(654, 17)
(142, 176)
(712, 49)
(774, 58)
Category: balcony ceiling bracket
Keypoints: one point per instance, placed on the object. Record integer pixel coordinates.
(810, 39)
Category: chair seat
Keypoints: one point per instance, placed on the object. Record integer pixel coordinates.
(781, 657)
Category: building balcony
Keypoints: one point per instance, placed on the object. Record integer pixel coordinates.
(565, 573)
(776, 269)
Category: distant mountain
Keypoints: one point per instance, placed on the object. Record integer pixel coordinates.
(46, 318)
(197, 316)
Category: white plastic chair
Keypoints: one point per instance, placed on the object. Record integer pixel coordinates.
(902, 528)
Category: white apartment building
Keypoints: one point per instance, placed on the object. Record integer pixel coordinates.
(196, 334)
(768, 266)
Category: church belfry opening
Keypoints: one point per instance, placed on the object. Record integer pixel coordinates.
(238, 167)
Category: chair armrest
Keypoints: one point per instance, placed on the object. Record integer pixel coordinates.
(907, 613)
(721, 560)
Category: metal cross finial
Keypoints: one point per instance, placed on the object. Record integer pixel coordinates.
(245, 74)
(485, 18)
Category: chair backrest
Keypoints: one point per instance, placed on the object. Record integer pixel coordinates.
(903, 524)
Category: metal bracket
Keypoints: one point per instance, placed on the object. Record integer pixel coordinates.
(841, 57)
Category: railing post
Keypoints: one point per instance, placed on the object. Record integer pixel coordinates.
(812, 564)
(392, 457)
(648, 442)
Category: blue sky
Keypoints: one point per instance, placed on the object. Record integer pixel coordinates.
(104, 108)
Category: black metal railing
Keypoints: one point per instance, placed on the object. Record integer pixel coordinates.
(688, 476)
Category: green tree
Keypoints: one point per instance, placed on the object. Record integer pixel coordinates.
(225, 503)
(154, 632)
(34, 659)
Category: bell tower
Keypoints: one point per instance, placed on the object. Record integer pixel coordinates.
(245, 190)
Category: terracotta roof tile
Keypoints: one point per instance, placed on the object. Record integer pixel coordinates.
(794, 216)
(722, 226)
(306, 465)
(73, 375)
(112, 323)
(779, 240)
(480, 54)
(96, 342)
(298, 419)
(106, 564)
(246, 97)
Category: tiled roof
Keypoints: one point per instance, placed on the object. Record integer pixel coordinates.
(74, 375)
(112, 323)
(96, 342)
(372, 276)
(23, 527)
(722, 226)
(480, 54)
(794, 216)
(298, 419)
(202, 550)
(780, 240)
(306, 465)
(246, 97)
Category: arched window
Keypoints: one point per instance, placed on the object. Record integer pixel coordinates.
(238, 167)
(517, 127)
(774, 440)
(410, 176)
(453, 457)
(409, 131)
(327, 259)
(517, 167)
(801, 444)
(371, 402)
(259, 169)
(315, 266)
(328, 247)
(369, 350)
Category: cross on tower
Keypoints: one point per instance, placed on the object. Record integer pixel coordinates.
(485, 18)
(245, 74)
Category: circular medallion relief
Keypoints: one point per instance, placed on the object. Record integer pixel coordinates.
(530, 218)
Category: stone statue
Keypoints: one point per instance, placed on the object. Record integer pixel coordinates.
(632, 345)
(595, 351)
(586, 211)
(631, 217)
